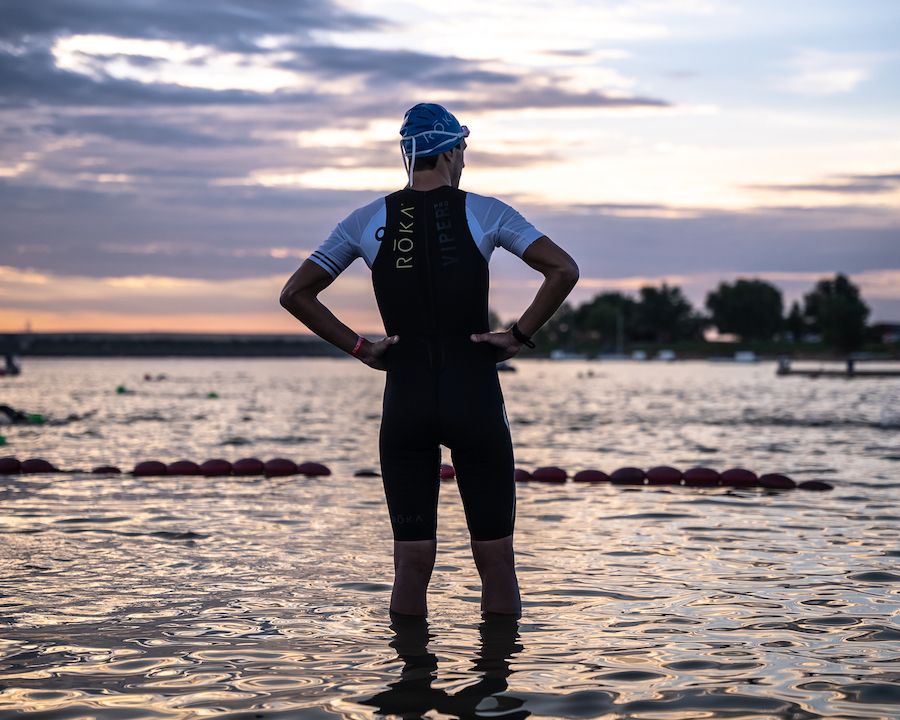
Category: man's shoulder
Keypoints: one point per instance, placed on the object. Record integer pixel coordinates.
(485, 205)
(359, 219)
(475, 198)
(368, 210)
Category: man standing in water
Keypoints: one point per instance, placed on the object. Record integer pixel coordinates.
(428, 247)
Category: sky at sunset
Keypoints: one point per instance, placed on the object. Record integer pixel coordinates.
(166, 164)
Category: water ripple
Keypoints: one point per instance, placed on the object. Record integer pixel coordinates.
(186, 597)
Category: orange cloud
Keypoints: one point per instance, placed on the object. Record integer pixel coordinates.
(275, 322)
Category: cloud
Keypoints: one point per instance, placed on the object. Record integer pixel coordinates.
(234, 26)
(843, 184)
(173, 63)
(49, 302)
(240, 31)
(143, 131)
(220, 253)
(36, 77)
(791, 240)
(179, 53)
(195, 230)
(552, 96)
(391, 66)
(817, 72)
(33, 77)
(138, 295)
(192, 232)
(885, 177)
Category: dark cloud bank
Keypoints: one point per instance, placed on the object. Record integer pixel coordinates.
(29, 75)
(844, 185)
(232, 25)
(214, 234)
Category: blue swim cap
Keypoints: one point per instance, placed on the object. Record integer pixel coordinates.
(429, 129)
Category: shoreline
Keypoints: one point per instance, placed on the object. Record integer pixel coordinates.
(97, 345)
(237, 345)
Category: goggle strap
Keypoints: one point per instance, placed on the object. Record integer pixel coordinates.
(409, 159)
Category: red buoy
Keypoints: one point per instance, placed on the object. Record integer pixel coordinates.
(664, 475)
(183, 467)
(591, 476)
(776, 480)
(106, 470)
(815, 485)
(522, 475)
(550, 474)
(280, 467)
(215, 468)
(311, 468)
(448, 472)
(627, 476)
(10, 466)
(701, 477)
(37, 465)
(248, 466)
(150, 468)
(738, 477)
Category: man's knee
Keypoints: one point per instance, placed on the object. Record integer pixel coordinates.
(415, 556)
(494, 552)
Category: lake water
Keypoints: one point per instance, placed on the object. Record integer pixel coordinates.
(191, 597)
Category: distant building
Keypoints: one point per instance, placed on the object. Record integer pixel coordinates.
(712, 334)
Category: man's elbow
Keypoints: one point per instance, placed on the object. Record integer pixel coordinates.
(286, 298)
(291, 299)
(569, 273)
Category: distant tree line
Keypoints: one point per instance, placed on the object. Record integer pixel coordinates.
(832, 311)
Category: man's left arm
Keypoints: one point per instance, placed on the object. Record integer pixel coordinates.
(560, 275)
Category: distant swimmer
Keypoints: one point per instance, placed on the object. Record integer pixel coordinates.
(12, 366)
(428, 247)
(10, 416)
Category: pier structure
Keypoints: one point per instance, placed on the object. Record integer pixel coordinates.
(851, 370)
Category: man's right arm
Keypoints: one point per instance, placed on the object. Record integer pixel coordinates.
(300, 298)
(560, 275)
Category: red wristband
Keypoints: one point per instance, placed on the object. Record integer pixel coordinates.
(359, 341)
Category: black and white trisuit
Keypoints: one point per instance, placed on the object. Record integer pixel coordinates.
(429, 253)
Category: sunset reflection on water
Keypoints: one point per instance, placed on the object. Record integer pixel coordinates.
(186, 597)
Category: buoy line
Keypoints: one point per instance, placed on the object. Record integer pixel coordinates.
(283, 467)
(245, 467)
(665, 475)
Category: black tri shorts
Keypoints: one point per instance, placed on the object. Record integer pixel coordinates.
(446, 394)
